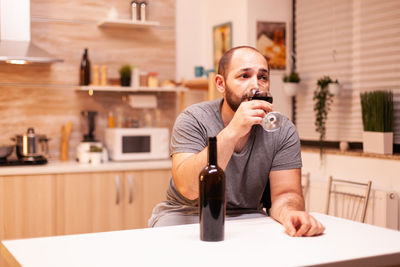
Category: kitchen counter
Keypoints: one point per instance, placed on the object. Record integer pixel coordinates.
(75, 167)
(248, 242)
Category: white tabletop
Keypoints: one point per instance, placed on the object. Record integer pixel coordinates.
(249, 242)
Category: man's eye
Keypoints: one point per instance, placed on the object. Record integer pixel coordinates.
(244, 76)
(263, 77)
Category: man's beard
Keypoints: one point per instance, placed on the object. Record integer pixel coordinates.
(231, 100)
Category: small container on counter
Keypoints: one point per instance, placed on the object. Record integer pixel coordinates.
(111, 123)
(153, 79)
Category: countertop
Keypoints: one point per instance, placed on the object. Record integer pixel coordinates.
(75, 167)
(248, 242)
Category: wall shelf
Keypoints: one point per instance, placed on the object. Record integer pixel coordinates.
(126, 23)
(132, 89)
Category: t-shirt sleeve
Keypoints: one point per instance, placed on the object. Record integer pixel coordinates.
(288, 151)
(188, 135)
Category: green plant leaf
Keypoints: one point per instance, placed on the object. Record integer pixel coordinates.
(377, 111)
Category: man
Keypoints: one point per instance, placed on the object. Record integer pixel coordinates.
(246, 152)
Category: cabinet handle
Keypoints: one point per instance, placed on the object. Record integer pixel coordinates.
(130, 179)
(117, 183)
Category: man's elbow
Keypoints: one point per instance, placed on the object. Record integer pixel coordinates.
(188, 192)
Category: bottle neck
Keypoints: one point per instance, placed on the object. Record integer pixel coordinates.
(212, 151)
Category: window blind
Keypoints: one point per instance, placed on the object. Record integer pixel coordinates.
(356, 42)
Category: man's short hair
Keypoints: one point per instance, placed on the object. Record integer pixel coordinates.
(225, 60)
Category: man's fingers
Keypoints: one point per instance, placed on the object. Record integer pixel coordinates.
(305, 225)
(290, 227)
(316, 228)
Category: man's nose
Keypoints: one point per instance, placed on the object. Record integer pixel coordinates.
(254, 82)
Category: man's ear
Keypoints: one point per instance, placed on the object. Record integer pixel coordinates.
(220, 83)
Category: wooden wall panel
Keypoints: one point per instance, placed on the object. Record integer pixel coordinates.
(44, 97)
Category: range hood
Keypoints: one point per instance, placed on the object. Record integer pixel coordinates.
(15, 35)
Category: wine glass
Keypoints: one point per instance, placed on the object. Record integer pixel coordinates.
(273, 120)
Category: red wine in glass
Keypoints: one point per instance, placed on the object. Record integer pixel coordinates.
(273, 120)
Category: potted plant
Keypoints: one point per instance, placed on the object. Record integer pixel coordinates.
(125, 75)
(323, 100)
(291, 83)
(334, 87)
(377, 116)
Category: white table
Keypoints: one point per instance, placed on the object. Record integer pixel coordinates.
(249, 242)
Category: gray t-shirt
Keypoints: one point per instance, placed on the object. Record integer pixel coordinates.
(246, 173)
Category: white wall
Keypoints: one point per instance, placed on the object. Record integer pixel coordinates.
(384, 174)
(221, 11)
(196, 19)
(274, 11)
(190, 37)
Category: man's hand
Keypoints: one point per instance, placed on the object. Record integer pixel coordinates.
(301, 223)
(248, 114)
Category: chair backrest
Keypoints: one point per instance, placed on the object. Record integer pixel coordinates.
(348, 199)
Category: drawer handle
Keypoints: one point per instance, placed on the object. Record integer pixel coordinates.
(130, 179)
(117, 183)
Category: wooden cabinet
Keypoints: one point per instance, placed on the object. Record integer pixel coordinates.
(89, 202)
(27, 206)
(149, 188)
(46, 205)
(97, 202)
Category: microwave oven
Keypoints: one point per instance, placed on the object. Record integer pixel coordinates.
(137, 143)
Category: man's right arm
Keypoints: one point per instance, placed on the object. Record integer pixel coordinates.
(186, 167)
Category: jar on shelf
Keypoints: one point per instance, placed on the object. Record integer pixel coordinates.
(95, 77)
(144, 79)
(135, 76)
(153, 79)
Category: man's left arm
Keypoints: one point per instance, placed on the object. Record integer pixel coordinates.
(288, 204)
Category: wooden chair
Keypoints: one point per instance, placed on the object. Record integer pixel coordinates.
(348, 199)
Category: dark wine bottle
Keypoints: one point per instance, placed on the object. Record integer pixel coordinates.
(212, 197)
(85, 69)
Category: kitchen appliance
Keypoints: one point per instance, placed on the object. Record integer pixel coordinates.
(31, 146)
(15, 44)
(137, 143)
(84, 154)
(88, 125)
(31, 149)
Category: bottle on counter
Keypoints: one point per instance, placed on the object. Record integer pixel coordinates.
(212, 204)
(85, 69)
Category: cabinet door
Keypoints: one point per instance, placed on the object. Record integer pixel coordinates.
(133, 200)
(149, 188)
(27, 206)
(89, 202)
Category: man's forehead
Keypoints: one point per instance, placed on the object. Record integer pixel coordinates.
(248, 59)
